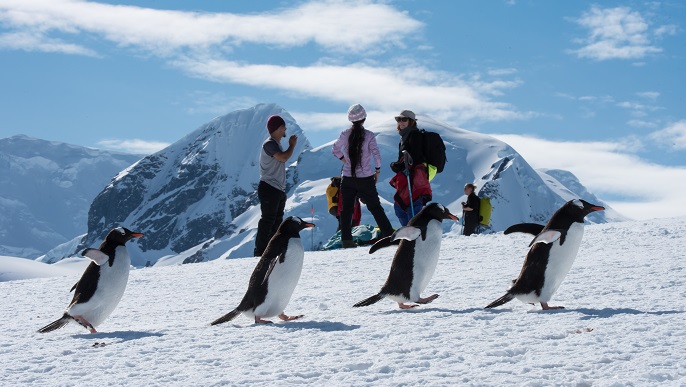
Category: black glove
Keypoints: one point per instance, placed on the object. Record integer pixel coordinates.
(398, 166)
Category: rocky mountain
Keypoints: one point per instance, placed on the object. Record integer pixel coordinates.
(46, 189)
(196, 199)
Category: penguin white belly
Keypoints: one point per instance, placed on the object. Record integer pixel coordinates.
(282, 281)
(426, 254)
(109, 291)
(560, 261)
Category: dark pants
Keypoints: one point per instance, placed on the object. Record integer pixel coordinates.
(272, 204)
(365, 188)
(470, 226)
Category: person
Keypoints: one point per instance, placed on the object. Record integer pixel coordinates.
(271, 190)
(408, 169)
(470, 210)
(357, 148)
(335, 202)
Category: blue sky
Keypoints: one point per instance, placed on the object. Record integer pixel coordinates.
(595, 88)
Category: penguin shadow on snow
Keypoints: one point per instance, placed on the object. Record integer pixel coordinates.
(611, 312)
(323, 326)
(122, 335)
(444, 310)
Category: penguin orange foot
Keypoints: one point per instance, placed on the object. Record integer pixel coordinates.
(427, 300)
(84, 323)
(545, 306)
(289, 318)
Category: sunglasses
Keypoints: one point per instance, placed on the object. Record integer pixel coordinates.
(401, 119)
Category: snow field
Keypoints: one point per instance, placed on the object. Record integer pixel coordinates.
(625, 299)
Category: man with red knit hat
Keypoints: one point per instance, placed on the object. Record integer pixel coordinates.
(272, 188)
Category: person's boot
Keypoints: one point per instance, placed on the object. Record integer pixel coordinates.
(348, 243)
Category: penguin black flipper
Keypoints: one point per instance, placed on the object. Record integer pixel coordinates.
(370, 301)
(548, 236)
(501, 301)
(383, 243)
(57, 324)
(98, 257)
(526, 228)
(85, 288)
(277, 259)
(409, 233)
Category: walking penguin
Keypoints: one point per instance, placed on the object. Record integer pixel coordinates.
(415, 260)
(275, 276)
(102, 284)
(551, 255)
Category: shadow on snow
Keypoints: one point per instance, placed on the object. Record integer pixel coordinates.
(123, 335)
(324, 326)
(610, 312)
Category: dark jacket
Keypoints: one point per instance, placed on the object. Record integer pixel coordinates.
(421, 188)
(472, 217)
(414, 146)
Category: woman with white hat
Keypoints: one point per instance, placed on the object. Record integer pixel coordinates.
(358, 150)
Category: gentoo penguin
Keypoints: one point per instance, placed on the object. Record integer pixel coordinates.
(551, 255)
(275, 276)
(415, 260)
(102, 284)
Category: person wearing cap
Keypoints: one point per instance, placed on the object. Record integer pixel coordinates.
(272, 188)
(416, 173)
(356, 147)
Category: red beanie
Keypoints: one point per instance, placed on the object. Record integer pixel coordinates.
(274, 122)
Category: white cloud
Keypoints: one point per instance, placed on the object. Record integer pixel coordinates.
(135, 146)
(502, 72)
(641, 124)
(673, 136)
(381, 88)
(608, 168)
(652, 95)
(336, 25)
(201, 102)
(336, 122)
(28, 41)
(615, 33)
(201, 43)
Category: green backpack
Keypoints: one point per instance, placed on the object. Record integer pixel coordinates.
(485, 211)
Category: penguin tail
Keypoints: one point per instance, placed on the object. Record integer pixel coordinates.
(55, 325)
(501, 301)
(371, 300)
(227, 317)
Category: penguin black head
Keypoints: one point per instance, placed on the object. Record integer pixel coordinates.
(292, 226)
(121, 235)
(577, 209)
(438, 212)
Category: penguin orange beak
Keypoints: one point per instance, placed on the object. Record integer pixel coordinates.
(309, 225)
(597, 208)
(136, 234)
(451, 216)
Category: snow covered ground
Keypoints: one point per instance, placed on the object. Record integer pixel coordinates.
(625, 301)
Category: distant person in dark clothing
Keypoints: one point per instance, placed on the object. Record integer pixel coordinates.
(470, 210)
(411, 141)
(272, 188)
(358, 150)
